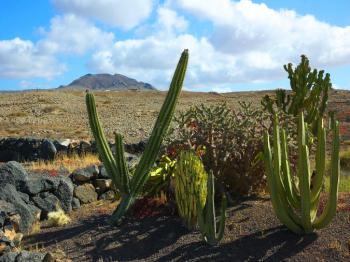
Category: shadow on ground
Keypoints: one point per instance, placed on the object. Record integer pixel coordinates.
(161, 239)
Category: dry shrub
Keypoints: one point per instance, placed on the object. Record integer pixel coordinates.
(231, 141)
(57, 218)
(70, 163)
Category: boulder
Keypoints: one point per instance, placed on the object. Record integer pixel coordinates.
(6, 245)
(39, 183)
(102, 185)
(62, 145)
(47, 202)
(13, 173)
(83, 175)
(64, 193)
(29, 214)
(84, 147)
(25, 197)
(23, 149)
(9, 257)
(131, 160)
(85, 193)
(75, 203)
(109, 195)
(9, 215)
(6, 209)
(48, 150)
(26, 256)
(103, 172)
(136, 148)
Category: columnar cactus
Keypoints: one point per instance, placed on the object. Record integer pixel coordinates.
(190, 184)
(115, 165)
(295, 199)
(309, 93)
(207, 220)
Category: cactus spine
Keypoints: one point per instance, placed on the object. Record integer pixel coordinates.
(190, 185)
(289, 197)
(115, 165)
(207, 220)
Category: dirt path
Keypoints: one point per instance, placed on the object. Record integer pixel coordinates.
(252, 234)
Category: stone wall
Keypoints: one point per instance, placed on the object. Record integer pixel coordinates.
(32, 149)
(26, 198)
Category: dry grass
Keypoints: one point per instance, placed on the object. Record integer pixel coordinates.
(58, 218)
(17, 114)
(69, 162)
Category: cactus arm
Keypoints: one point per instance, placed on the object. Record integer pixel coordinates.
(161, 125)
(277, 176)
(280, 210)
(101, 141)
(154, 143)
(331, 207)
(277, 158)
(320, 161)
(304, 168)
(304, 176)
(287, 179)
(123, 172)
(317, 180)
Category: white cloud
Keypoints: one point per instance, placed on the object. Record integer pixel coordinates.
(21, 59)
(67, 34)
(72, 34)
(245, 43)
(245, 27)
(118, 13)
(170, 21)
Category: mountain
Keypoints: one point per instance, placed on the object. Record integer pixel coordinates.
(107, 81)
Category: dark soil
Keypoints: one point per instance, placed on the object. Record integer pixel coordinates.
(253, 233)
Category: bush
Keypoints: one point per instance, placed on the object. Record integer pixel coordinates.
(228, 141)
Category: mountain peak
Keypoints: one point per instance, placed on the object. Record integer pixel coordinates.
(107, 81)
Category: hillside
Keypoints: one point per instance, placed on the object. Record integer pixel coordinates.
(107, 82)
(62, 114)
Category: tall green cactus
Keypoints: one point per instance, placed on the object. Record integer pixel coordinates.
(115, 165)
(295, 199)
(207, 220)
(190, 185)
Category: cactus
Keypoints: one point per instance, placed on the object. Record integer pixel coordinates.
(115, 165)
(190, 184)
(309, 93)
(207, 220)
(290, 195)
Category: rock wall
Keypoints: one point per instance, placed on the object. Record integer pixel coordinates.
(32, 149)
(26, 198)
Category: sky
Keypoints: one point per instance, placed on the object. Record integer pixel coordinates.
(233, 45)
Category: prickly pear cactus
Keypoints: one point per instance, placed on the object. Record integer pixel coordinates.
(190, 182)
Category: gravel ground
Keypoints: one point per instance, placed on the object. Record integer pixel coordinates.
(62, 114)
(253, 233)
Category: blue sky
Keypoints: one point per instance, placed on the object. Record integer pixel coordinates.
(234, 45)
